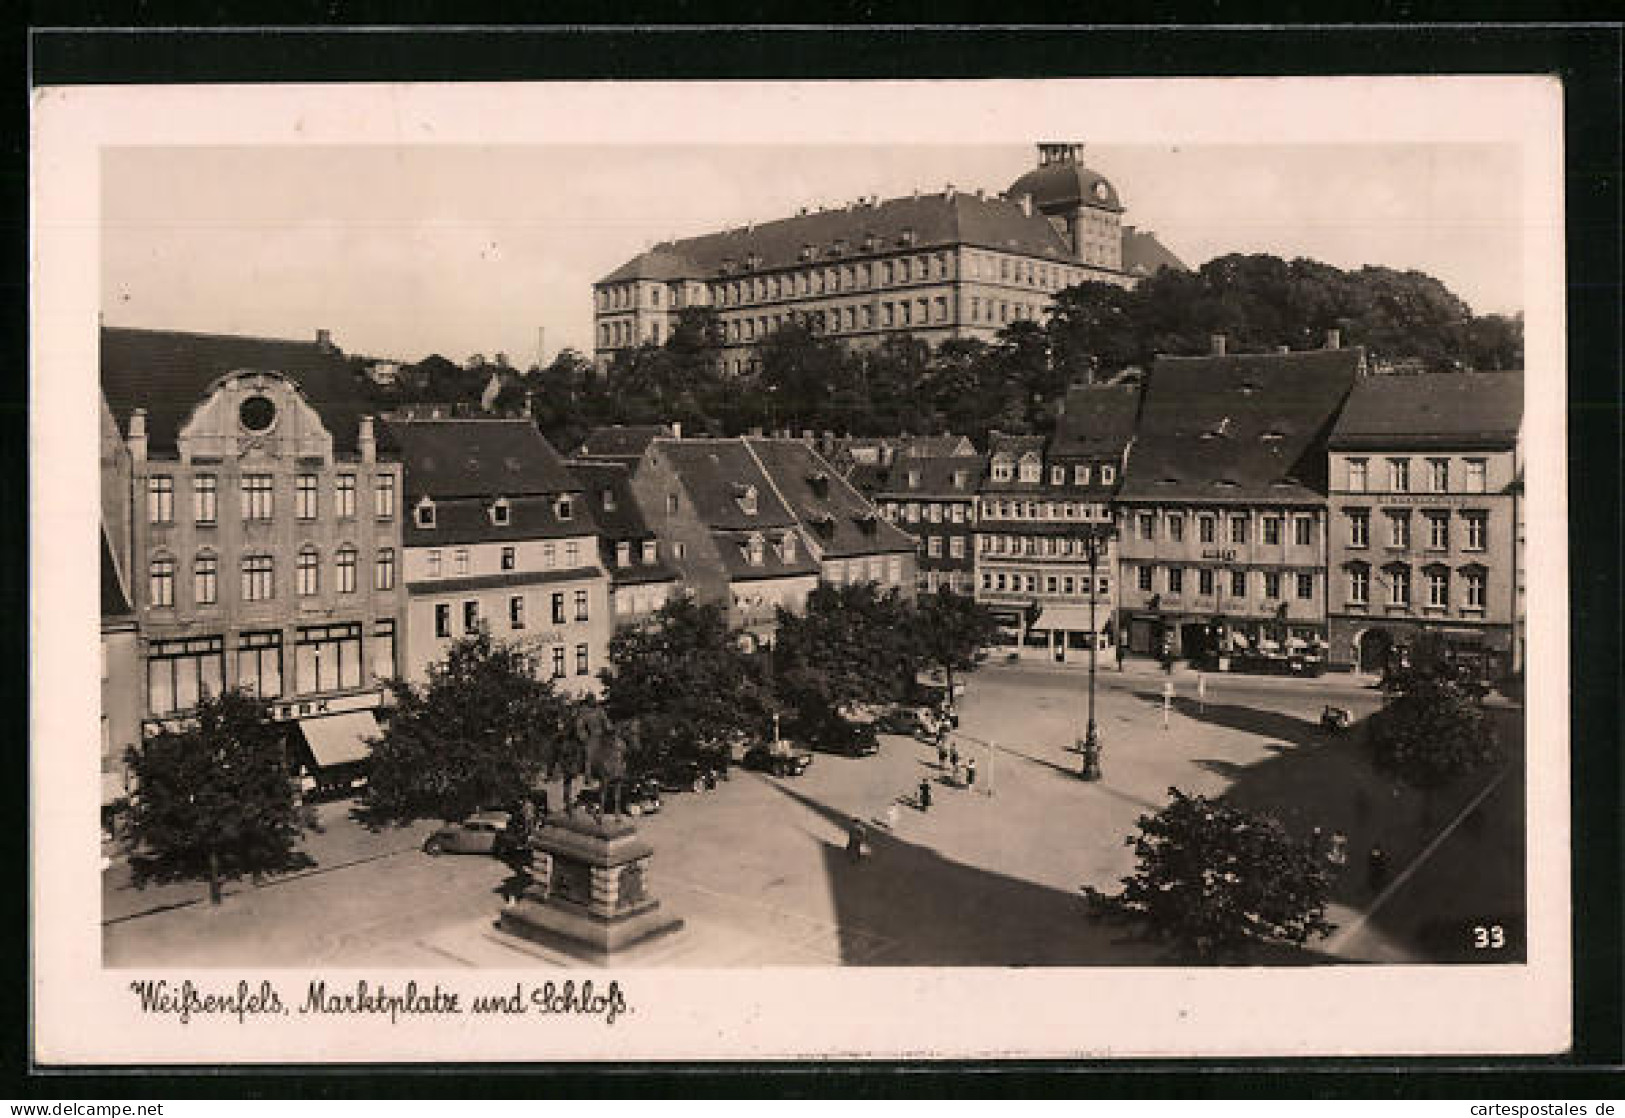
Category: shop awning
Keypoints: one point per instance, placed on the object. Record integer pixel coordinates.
(1072, 619)
(339, 739)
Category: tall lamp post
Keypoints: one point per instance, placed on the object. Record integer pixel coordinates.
(1091, 737)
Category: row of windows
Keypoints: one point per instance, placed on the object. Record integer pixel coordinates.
(326, 658)
(1396, 580)
(259, 575)
(1436, 471)
(1016, 270)
(499, 512)
(257, 493)
(1475, 525)
(1030, 469)
(1047, 510)
(960, 582)
(649, 552)
(1000, 310)
(946, 512)
(1173, 582)
(516, 613)
(820, 281)
(933, 546)
(1029, 582)
(622, 332)
(1270, 528)
(507, 559)
(874, 568)
(1035, 545)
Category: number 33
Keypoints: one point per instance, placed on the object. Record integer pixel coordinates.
(1491, 938)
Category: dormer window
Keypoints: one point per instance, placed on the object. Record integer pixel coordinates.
(623, 554)
(651, 551)
(754, 549)
(1001, 467)
(870, 242)
(423, 513)
(823, 523)
(1108, 474)
(1219, 430)
(807, 252)
(914, 479)
(1080, 474)
(564, 508)
(500, 511)
(1272, 436)
(819, 481)
(1057, 475)
(608, 497)
(959, 479)
(746, 496)
(908, 236)
(868, 522)
(787, 547)
(1030, 467)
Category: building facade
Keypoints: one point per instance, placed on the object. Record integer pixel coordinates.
(1222, 515)
(121, 678)
(1426, 518)
(499, 535)
(641, 581)
(937, 266)
(934, 500)
(1045, 552)
(264, 529)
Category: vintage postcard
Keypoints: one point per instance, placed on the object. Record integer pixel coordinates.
(775, 570)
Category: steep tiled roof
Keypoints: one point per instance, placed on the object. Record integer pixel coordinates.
(935, 477)
(167, 373)
(937, 446)
(1144, 255)
(448, 458)
(619, 520)
(621, 442)
(1432, 409)
(1096, 419)
(1239, 427)
(732, 546)
(934, 220)
(835, 515)
(463, 520)
(716, 473)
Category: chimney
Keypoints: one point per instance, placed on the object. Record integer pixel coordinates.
(676, 430)
(948, 193)
(502, 358)
(138, 434)
(365, 441)
(1216, 344)
(324, 341)
(1026, 203)
(1334, 338)
(981, 194)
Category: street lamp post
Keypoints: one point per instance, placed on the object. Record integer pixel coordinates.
(1091, 737)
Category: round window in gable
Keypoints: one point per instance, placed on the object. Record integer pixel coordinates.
(256, 414)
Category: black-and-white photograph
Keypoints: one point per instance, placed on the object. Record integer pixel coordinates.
(1037, 550)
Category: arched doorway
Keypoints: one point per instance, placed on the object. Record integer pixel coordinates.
(1371, 650)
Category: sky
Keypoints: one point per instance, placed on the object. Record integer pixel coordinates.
(401, 251)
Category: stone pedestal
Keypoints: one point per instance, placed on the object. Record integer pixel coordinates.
(591, 897)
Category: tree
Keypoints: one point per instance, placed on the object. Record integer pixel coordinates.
(852, 644)
(683, 680)
(950, 628)
(1432, 730)
(216, 799)
(478, 733)
(1212, 879)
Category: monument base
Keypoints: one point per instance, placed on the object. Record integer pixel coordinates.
(591, 899)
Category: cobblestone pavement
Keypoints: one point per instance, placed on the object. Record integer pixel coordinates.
(758, 870)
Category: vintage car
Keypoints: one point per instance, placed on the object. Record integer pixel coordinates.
(780, 760)
(482, 832)
(639, 796)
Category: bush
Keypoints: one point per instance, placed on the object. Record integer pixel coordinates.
(1431, 734)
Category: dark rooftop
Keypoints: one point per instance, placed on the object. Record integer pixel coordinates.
(619, 520)
(167, 372)
(621, 442)
(1457, 409)
(1239, 427)
(717, 474)
(1097, 419)
(449, 458)
(1144, 255)
(836, 516)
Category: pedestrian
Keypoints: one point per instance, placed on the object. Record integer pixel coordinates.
(854, 840)
(1376, 867)
(942, 753)
(1317, 842)
(1338, 852)
(925, 795)
(970, 774)
(953, 757)
(1119, 657)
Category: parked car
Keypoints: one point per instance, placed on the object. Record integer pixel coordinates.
(904, 719)
(850, 739)
(639, 796)
(689, 775)
(482, 832)
(779, 762)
